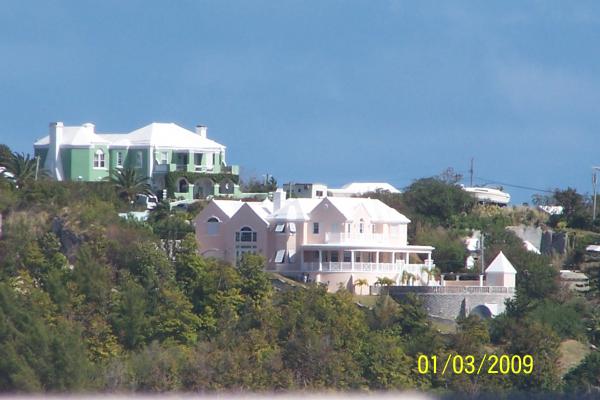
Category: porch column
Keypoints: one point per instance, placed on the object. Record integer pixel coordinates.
(320, 261)
(352, 259)
(406, 258)
(377, 259)
(429, 258)
(302, 260)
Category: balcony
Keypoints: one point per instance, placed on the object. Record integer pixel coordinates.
(454, 289)
(361, 238)
(161, 168)
(415, 269)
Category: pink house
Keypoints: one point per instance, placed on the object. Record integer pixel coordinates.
(335, 241)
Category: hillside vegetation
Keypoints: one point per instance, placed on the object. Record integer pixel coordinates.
(92, 302)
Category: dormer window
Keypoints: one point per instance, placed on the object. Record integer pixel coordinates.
(280, 228)
(99, 161)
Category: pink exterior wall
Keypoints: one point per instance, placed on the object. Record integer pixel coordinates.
(245, 217)
(211, 245)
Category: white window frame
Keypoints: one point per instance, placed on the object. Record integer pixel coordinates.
(120, 159)
(164, 157)
(139, 159)
(280, 228)
(99, 160)
(292, 227)
(280, 257)
(212, 226)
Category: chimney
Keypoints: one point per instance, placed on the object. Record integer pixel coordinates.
(53, 161)
(89, 126)
(278, 199)
(201, 130)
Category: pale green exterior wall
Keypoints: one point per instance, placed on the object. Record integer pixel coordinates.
(98, 174)
(80, 164)
(65, 156)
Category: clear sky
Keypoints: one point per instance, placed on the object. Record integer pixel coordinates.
(326, 91)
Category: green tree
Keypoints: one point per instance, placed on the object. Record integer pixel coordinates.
(386, 365)
(255, 282)
(585, 378)
(435, 201)
(130, 319)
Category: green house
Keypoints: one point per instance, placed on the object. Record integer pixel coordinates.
(178, 162)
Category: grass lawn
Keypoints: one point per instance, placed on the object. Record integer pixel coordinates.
(571, 354)
(365, 300)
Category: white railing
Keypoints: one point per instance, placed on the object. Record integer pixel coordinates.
(360, 237)
(453, 289)
(360, 267)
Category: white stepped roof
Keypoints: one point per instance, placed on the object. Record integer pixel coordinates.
(170, 136)
(296, 210)
(262, 209)
(162, 135)
(379, 211)
(229, 207)
(501, 264)
(76, 136)
(366, 187)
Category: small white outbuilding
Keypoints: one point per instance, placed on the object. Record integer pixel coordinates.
(500, 272)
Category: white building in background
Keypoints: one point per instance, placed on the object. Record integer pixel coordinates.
(320, 190)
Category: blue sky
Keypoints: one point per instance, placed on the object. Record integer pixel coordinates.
(327, 91)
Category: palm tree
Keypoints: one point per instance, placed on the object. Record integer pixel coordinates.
(385, 281)
(21, 167)
(128, 183)
(361, 282)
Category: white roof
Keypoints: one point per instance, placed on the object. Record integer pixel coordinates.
(531, 247)
(296, 209)
(262, 209)
(170, 136)
(162, 135)
(593, 247)
(501, 264)
(377, 210)
(76, 136)
(366, 187)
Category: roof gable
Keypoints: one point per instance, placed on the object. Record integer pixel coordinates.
(501, 264)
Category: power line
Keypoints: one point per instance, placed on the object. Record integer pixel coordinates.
(514, 185)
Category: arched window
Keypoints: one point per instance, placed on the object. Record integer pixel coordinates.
(245, 234)
(183, 185)
(212, 226)
(99, 159)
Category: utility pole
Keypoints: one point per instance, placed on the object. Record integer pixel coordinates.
(471, 172)
(482, 244)
(594, 179)
(37, 166)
